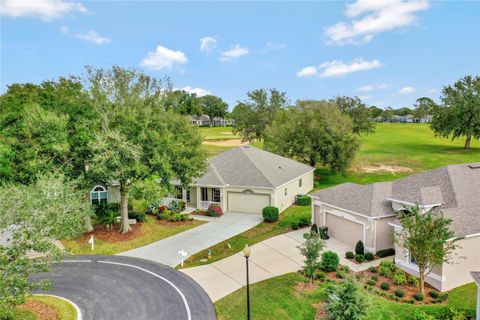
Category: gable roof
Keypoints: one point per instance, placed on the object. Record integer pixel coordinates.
(247, 166)
(455, 188)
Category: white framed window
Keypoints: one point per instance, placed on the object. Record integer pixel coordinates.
(300, 183)
(179, 193)
(98, 195)
(216, 194)
(204, 194)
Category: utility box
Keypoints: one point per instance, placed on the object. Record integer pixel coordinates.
(323, 232)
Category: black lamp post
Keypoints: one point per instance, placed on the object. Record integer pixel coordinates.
(246, 253)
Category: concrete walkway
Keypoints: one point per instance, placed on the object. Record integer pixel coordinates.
(270, 258)
(197, 239)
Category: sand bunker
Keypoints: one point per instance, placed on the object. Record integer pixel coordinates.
(228, 133)
(385, 168)
(226, 143)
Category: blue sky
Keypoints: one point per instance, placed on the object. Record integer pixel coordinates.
(387, 52)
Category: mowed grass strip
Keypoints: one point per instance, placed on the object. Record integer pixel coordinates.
(279, 299)
(254, 235)
(150, 231)
(64, 309)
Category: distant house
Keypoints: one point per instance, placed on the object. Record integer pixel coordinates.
(354, 212)
(204, 120)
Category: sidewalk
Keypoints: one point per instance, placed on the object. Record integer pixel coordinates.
(197, 239)
(269, 258)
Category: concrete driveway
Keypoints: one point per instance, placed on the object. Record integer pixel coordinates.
(197, 239)
(269, 258)
(122, 288)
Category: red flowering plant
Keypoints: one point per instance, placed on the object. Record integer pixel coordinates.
(214, 210)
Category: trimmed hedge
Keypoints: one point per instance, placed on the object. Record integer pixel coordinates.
(303, 201)
(270, 214)
(349, 255)
(359, 258)
(369, 256)
(385, 253)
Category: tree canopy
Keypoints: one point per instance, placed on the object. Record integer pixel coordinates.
(315, 132)
(182, 102)
(424, 106)
(32, 217)
(459, 114)
(254, 115)
(213, 107)
(358, 111)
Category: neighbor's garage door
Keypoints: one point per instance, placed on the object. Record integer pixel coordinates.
(344, 230)
(244, 202)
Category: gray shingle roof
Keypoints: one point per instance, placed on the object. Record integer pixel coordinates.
(456, 187)
(248, 166)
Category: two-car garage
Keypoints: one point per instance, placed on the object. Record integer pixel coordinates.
(342, 229)
(247, 202)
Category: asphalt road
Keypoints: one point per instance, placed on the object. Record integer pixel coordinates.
(124, 288)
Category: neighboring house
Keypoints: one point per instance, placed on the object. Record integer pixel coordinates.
(355, 212)
(204, 120)
(105, 192)
(246, 179)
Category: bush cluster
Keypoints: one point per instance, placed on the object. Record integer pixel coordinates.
(329, 261)
(349, 255)
(294, 225)
(400, 293)
(303, 200)
(139, 216)
(385, 253)
(400, 278)
(419, 296)
(434, 294)
(385, 286)
(214, 210)
(372, 269)
(374, 277)
(386, 268)
(413, 281)
(359, 258)
(304, 222)
(270, 214)
(369, 256)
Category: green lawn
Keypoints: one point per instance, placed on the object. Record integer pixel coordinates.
(254, 235)
(150, 232)
(278, 299)
(64, 309)
(217, 133)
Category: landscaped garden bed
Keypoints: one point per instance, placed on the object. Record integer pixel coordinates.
(41, 307)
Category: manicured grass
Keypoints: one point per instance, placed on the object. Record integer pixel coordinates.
(150, 232)
(64, 309)
(256, 234)
(217, 133)
(278, 299)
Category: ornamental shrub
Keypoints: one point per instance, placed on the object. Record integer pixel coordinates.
(214, 210)
(314, 228)
(374, 277)
(359, 258)
(139, 216)
(422, 315)
(413, 281)
(294, 225)
(320, 275)
(303, 200)
(400, 293)
(341, 274)
(419, 296)
(385, 286)
(359, 248)
(371, 282)
(385, 253)
(400, 278)
(329, 261)
(372, 269)
(349, 255)
(346, 301)
(304, 222)
(386, 268)
(369, 256)
(434, 294)
(270, 214)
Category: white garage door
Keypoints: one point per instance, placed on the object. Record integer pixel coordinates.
(247, 202)
(344, 230)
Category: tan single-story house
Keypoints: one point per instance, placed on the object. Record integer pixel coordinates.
(247, 179)
(355, 212)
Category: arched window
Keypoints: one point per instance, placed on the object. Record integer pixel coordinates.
(98, 195)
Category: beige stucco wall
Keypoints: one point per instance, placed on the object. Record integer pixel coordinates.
(384, 232)
(226, 190)
(449, 275)
(282, 201)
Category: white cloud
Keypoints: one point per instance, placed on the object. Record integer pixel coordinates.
(308, 71)
(336, 68)
(207, 44)
(235, 52)
(373, 87)
(46, 10)
(163, 58)
(374, 17)
(431, 91)
(406, 90)
(90, 36)
(200, 92)
(272, 46)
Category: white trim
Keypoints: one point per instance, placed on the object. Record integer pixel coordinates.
(98, 193)
(428, 206)
(75, 306)
(187, 307)
(375, 236)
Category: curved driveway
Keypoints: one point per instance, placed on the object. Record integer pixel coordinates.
(124, 288)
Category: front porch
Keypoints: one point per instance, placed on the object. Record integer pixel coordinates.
(196, 197)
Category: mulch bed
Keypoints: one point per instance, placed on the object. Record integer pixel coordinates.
(366, 261)
(113, 235)
(41, 310)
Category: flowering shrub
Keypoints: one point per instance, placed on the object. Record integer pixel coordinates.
(162, 209)
(214, 210)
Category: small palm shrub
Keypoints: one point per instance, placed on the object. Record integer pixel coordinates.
(329, 261)
(400, 293)
(400, 278)
(359, 248)
(349, 255)
(270, 214)
(385, 286)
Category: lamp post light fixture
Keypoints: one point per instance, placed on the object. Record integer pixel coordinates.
(246, 253)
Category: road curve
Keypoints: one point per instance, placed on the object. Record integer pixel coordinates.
(125, 288)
